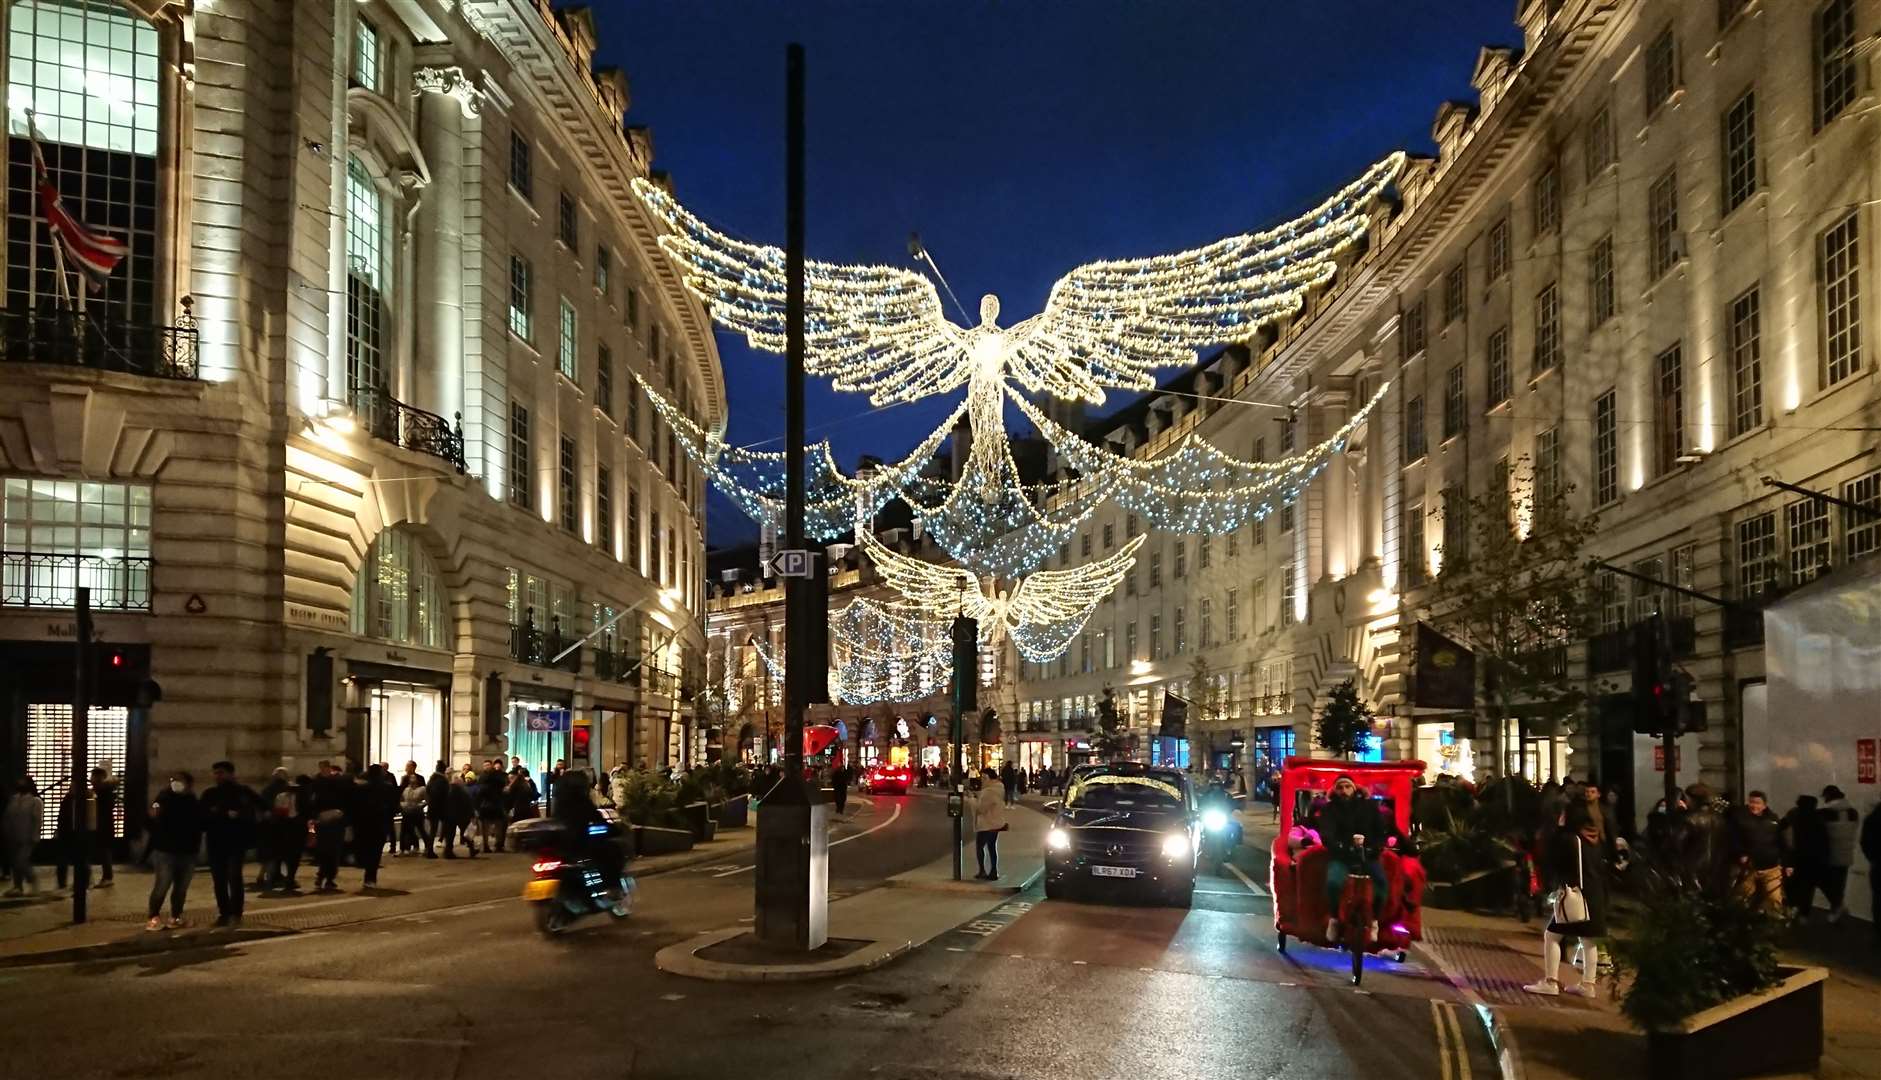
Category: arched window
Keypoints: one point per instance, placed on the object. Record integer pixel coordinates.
(399, 596)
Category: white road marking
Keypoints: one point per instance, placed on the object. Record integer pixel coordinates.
(832, 843)
(1249, 882)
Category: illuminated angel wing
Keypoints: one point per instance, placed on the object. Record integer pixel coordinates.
(1061, 596)
(1113, 323)
(876, 330)
(937, 590)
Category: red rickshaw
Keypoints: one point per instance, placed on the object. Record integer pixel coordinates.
(1301, 862)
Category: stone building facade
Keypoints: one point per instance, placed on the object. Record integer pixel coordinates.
(1642, 261)
(349, 451)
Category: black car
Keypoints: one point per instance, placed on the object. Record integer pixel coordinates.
(1131, 827)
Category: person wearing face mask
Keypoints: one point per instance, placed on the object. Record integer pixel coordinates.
(1354, 832)
(175, 836)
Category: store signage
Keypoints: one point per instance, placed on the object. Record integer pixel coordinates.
(1865, 751)
(547, 720)
(302, 615)
(791, 562)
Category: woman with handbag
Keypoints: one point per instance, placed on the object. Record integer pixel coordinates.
(1578, 870)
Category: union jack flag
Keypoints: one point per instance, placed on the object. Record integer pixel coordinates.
(93, 253)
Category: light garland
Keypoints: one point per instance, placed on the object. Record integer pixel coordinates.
(883, 654)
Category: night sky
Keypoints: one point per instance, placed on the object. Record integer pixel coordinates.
(1022, 138)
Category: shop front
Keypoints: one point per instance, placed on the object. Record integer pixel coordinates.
(36, 725)
(397, 711)
(614, 734)
(539, 730)
(1038, 754)
(1444, 752)
(1268, 750)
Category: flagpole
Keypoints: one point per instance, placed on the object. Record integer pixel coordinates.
(42, 175)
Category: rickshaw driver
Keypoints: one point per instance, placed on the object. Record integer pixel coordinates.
(1354, 831)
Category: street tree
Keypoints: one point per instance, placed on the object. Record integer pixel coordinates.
(1513, 586)
(1344, 722)
(1110, 743)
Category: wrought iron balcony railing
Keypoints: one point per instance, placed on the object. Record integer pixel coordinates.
(33, 579)
(102, 342)
(387, 418)
(533, 645)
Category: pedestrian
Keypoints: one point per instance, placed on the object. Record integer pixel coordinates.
(283, 832)
(1576, 862)
(175, 838)
(989, 820)
(1842, 823)
(519, 799)
(387, 802)
(437, 807)
(19, 831)
(230, 811)
(411, 810)
(839, 786)
(105, 791)
(459, 810)
(1871, 850)
(1805, 854)
(375, 804)
(492, 789)
(1756, 837)
(331, 797)
(65, 840)
(1009, 779)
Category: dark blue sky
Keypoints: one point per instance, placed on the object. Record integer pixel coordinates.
(1022, 137)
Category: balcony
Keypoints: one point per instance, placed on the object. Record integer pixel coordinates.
(47, 580)
(386, 418)
(532, 645)
(101, 342)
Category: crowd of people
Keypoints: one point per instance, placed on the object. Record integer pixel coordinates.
(339, 814)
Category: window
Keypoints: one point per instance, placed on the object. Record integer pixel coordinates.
(1499, 380)
(1662, 224)
(1598, 145)
(1547, 206)
(521, 314)
(1156, 637)
(522, 166)
(366, 56)
(1662, 71)
(62, 534)
(1861, 533)
(1203, 546)
(1836, 71)
(1746, 362)
(1289, 431)
(1234, 544)
(1182, 558)
(1414, 429)
(1231, 611)
(1182, 633)
(1064, 554)
(1129, 582)
(1416, 559)
(1600, 296)
(1669, 423)
(1499, 250)
(1288, 592)
(1286, 516)
(1456, 528)
(653, 541)
(1757, 567)
(1084, 654)
(1684, 574)
(633, 309)
(1740, 151)
(567, 359)
(636, 557)
(1257, 596)
(1453, 402)
(1606, 449)
(520, 466)
(1807, 521)
(90, 73)
(1129, 527)
(1499, 489)
(1455, 288)
(604, 508)
(1612, 601)
(1647, 600)
(1547, 330)
(1259, 527)
(367, 373)
(398, 595)
(633, 412)
(1413, 336)
(1084, 545)
(571, 519)
(566, 224)
(1110, 535)
(1129, 639)
(603, 267)
(653, 348)
(1547, 470)
(1156, 569)
(1839, 272)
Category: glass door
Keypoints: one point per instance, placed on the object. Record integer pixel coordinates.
(407, 724)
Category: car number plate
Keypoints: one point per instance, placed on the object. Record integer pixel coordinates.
(543, 889)
(1113, 871)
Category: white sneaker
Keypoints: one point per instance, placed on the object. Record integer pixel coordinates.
(1332, 930)
(1584, 988)
(1544, 987)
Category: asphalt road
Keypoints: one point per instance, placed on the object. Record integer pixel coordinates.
(1033, 989)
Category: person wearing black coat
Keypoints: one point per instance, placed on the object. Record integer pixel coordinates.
(331, 797)
(459, 807)
(1757, 838)
(375, 804)
(283, 830)
(104, 789)
(1353, 830)
(230, 812)
(437, 808)
(175, 837)
(1805, 854)
(492, 804)
(1575, 858)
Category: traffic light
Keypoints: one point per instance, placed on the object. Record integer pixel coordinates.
(966, 633)
(1656, 687)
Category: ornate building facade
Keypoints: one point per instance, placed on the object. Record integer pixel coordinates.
(348, 451)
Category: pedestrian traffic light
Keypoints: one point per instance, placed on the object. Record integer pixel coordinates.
(1656, 693)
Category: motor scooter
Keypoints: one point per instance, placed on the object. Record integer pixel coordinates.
(566, 886)
(1221, 834)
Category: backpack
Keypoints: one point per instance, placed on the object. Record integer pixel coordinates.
(284, 803)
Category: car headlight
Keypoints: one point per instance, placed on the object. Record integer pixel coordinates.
(1058, 840)
(1214, 820)
(1175, 845)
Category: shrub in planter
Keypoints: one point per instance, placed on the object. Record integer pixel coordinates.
(1455, 846)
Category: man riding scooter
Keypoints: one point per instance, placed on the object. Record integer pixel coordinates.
(1221, 831)
(1354, 832)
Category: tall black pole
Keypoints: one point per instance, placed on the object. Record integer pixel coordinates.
(796, 590)
(80, 792)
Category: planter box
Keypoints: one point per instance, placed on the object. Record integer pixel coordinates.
(1478, 891)
(733, 813)
(698, 818)
(653, 840)
(1776, 1031)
